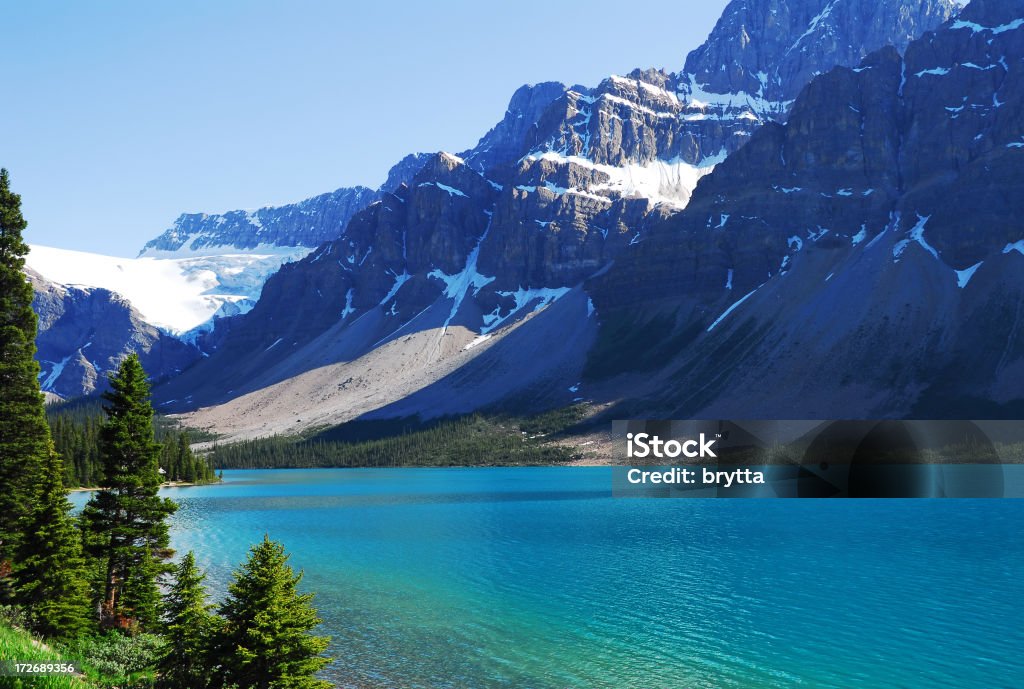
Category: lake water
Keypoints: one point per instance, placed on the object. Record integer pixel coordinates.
(536, 578)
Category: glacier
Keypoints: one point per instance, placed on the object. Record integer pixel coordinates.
(178, 295)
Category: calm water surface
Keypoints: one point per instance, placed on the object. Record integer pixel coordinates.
(535, 578)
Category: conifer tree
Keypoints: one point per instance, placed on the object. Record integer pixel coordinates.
(188, 631)
(266, 641)
(24, 435)
(51, 571)
(127, 527)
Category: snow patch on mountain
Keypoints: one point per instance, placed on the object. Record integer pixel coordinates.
(670, 182)
(916, 235)
(735, 305)
(1017, 246)
(291, 253)
(54, 373)
(699, 98)
(457, 286)
(978, 28)
(542, 297)
(964, 276)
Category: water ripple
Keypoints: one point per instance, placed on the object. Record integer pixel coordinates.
(538, 579)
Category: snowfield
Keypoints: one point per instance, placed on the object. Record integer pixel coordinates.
(175, 294)
(671, 182)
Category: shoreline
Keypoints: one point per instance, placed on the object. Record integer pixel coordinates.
(169, 484)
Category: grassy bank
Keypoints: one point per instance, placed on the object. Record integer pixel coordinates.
(110, 661)
(20, 646)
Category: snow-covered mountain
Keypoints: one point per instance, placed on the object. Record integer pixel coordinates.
(178, 295)
(430, 285)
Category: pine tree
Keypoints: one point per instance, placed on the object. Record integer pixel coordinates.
(127, 520)
(266, 641)
(24, 435)
(188, 632)
(51, 571)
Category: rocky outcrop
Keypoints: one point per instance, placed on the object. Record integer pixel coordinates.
(84, 334)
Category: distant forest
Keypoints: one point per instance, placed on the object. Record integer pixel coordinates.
(474, 440)
(75, 428)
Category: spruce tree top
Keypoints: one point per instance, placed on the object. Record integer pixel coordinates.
(12, 248)
(15, 291)
(267, 641)
(131, 454)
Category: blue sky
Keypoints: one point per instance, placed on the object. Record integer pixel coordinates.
(118, 116)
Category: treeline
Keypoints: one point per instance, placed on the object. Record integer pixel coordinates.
(75, 429)
(100, 585)
(473, 440)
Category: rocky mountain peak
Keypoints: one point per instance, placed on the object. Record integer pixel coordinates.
(304, 224)
(504, 141)
(403, 171)
(770, 49)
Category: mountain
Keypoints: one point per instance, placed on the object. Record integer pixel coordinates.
(292, 230)
(205, 267)
(864, 260)
(468, 286)
(306, 224)
(178, 295)
(85, 333)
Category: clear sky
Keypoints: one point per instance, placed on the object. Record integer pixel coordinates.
(118, 116)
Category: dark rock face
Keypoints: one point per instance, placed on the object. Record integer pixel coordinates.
(84, 334)
(504, 142)
(639, 118)
(772, 48)
(863, 259)
(569, 181)
(403, 171)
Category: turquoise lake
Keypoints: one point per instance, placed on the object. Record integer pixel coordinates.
(536, 578)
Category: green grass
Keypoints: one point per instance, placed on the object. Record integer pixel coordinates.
(109, 661)
(19, 646)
